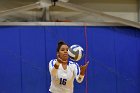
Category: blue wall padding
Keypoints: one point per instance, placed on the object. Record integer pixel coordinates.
(137, 73)
(102, 57)
(126, 60)
(113, 52)
(33, 59)
(10, 71)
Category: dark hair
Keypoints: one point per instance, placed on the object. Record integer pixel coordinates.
(60, 43)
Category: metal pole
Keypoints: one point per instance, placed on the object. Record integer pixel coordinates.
(45, 4)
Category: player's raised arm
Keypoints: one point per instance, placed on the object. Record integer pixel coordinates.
(54, 65)
(80, 77)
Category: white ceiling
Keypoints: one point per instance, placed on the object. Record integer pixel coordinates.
(105, 5)
(109, 6)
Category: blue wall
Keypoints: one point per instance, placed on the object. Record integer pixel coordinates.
(113, 52)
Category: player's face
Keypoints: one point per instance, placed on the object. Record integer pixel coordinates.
(63, 52)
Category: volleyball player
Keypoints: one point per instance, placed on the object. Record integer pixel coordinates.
(63, 72)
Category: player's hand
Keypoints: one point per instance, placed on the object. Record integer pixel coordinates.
(83, 68)
(60, 60)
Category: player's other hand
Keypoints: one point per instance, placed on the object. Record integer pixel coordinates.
(83, 68)
(60, 60)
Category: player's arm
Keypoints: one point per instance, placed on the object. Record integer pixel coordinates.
(54, 65)
(80, 77)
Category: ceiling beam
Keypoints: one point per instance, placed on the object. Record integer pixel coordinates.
(89, 11)
(75, 7)
(19, 9)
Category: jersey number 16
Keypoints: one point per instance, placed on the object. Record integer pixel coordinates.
(63, 81)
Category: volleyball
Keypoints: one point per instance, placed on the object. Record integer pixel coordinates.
(75, 52)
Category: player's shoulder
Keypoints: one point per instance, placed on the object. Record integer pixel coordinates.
(71, 63)
(53, 61)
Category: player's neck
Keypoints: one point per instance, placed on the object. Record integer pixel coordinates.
(64, 65)
(65, 62)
